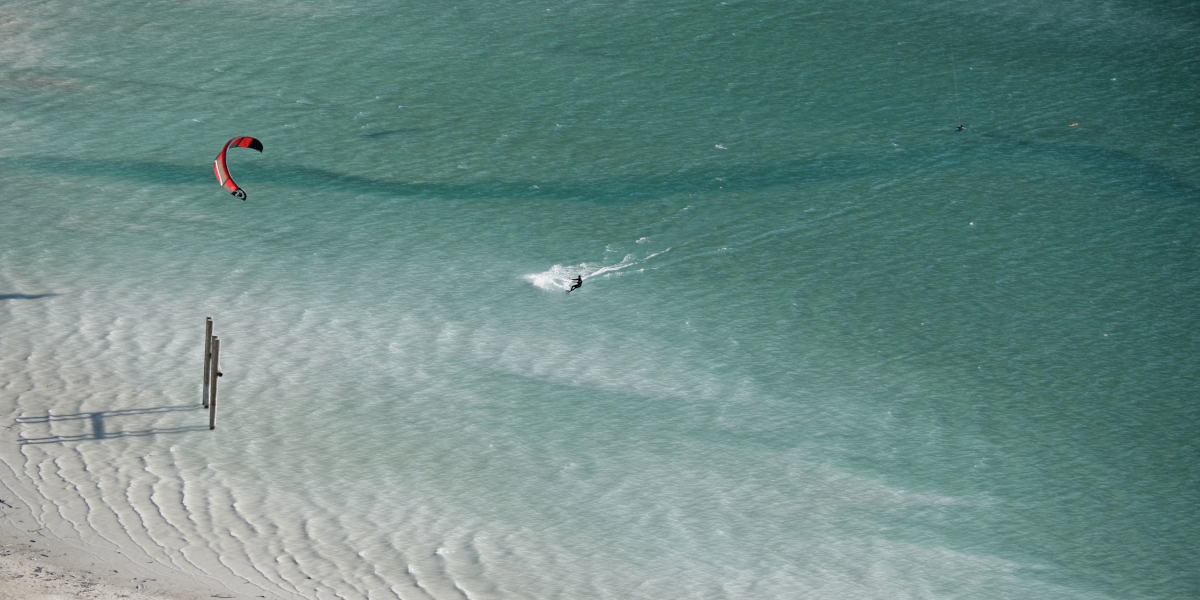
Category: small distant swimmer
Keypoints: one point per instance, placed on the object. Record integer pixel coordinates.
(576, 283)
(960, 127)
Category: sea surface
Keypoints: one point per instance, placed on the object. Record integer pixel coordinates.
(827, 345)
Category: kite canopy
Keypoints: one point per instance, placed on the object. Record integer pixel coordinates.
(222, 171)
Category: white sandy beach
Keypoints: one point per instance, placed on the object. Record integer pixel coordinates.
(34, 566)
(59, 534)
(28, 572)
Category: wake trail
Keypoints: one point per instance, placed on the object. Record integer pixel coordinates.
(558, 277)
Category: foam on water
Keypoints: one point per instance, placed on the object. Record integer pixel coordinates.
(559, 277)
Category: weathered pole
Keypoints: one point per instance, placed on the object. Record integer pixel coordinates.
(213, 375)
(207, 359)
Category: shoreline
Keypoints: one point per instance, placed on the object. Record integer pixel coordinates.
(36, 565)
(77, 521)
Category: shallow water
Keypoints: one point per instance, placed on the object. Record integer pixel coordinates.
(826, 346)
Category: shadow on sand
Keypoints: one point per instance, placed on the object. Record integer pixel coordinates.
(98, 425)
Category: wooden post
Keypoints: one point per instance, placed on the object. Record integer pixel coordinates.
(214, 374)
(207, 359)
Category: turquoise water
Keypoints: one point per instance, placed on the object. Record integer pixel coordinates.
(827, 346)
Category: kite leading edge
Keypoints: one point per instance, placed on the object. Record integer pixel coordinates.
(222, 171)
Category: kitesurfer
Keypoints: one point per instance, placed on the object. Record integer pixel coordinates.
(576, 283)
